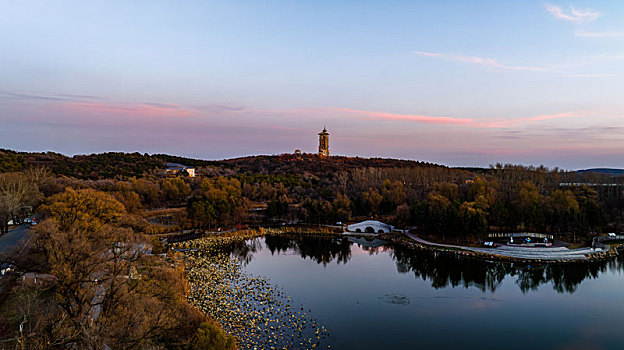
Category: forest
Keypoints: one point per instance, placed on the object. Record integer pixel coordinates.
(435, 200)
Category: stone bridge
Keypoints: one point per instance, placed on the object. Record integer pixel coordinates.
(370, 226)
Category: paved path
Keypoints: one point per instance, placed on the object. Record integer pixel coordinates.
(12, 243)
(556, 253)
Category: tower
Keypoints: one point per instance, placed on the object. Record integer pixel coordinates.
(323, 143)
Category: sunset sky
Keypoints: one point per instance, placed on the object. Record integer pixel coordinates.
(461, 83)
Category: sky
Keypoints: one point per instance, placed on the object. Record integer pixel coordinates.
(459, 83)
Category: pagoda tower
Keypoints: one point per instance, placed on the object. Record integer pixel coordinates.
(324, 143)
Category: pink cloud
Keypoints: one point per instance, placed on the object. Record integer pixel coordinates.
(118, 111)
(498, 151)
(552, 116)
(543, 149)
(146, 110)
(404, 117)
(281, 127)
(497, 123)
(527, 120)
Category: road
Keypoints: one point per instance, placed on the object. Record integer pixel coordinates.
(11, 243)
(11, 240)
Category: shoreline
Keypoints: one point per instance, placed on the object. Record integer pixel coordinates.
(491, 254)
(485, 254)
(412, 241)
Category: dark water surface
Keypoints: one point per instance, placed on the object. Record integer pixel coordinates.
(375, 296)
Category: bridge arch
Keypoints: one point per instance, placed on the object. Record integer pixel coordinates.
(370, 226)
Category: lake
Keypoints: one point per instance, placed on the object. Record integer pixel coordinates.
(373, 295)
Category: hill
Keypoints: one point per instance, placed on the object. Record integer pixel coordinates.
(606, 171)
(311, 163)
(126, 165)
(93, 166)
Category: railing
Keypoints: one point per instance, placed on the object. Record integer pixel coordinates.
(589, 184)
(520, 234)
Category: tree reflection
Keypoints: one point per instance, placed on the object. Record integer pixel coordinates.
(279, 244)
(242, 250)
(442, 269)
(319, 249)
(450, 269)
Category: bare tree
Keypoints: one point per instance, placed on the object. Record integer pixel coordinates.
(16, 191)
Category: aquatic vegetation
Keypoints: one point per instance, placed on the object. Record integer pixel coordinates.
(249, 307)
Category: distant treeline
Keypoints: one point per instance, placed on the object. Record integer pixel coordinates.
(125, 165)
(438, 200)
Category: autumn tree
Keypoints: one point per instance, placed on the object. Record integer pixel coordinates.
(175, 189)
(592, 215)
(565, 210)
(210, 337)
(341, 208)
(221, 201)
(149, 191)
(373, 199)
(202, 213)
(104, 291)
(393, 194)
(529, 205)
(85, 208)
(473, 219)
(278, 207)
(437, 215)
(448, 190)
(402, 215)
(130, 200)
(316, 210)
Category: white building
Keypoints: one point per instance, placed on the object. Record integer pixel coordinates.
(174, 168)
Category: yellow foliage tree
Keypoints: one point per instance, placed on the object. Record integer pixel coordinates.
(86, 208)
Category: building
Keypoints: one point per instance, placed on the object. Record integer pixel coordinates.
(324, 143)
(175, 169)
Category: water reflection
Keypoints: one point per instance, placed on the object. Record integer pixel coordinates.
(441, 269)
(445, 270)
(321, 250)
